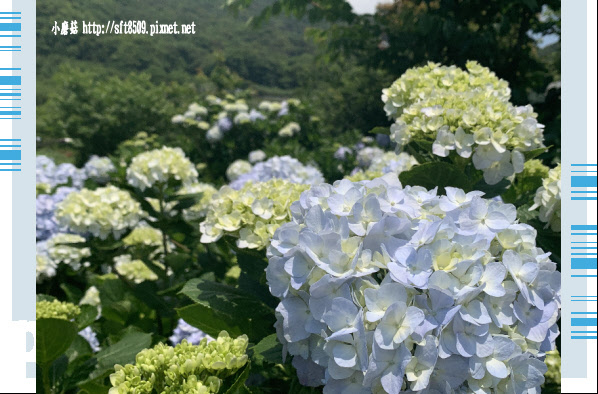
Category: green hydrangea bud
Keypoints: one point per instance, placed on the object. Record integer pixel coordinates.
(56, 310)
(184, 368)
(102, 212)
(251, 214)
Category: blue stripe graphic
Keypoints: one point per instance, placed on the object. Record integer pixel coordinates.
(10, 155)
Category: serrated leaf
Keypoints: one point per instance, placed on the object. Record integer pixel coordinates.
(53, 338)
(492, 190)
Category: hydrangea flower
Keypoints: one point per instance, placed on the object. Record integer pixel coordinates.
(463, 111)
(548, 199)
(46, 171)
(99, 168)
(91, 297)
(238, 168)
(102, 212)
(342, 152)
(184, 368)
(366, 155)
(91, 337)
(45, 205)
(285, 167)
(256, 156)
(185, 331)
(250, 214)
(60, 252)
(56, 310)
(289, 130)
(385, 288)
(134, 270)
(45, 267)
(159, 166)
(392, 162)
(200, 209)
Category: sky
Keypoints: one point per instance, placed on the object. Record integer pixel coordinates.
(365, 6)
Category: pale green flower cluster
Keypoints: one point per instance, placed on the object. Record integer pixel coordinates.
(548, 199)
(159, 166)
(200, 209)
(361, 175)
(533, 168)
(184, 368)
(134, 270)
(44, 267)
(238, 168)
(289, 130)
(60, 250)
(91, 297)
(251, 214)
(466, 111)
(143, 236)
(102, 212)
(392, 162)
(56, 310)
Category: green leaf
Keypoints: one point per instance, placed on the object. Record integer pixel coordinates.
(125, 350)
(238, 386)
(380, 130)
(532, 154)
(209, 320)
(53, 338)
(430, 175)
(267, 350)
(233, 306)
(122, 352)
(492, 190)
(86, 317)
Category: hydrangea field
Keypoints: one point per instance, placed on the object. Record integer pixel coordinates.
(252, 252)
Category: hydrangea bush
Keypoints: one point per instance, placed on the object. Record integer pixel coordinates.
(467, 112)
(385, 288)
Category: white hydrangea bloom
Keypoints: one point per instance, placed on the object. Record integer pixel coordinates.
(91, 297)
(548, 199)
(392, 162)
(60, 251)
(159, 166)
(284, 167)
(102, 212)
(257, 156)
(238, 168)
(463, 111)
(392, 289)
(99, 168)
(45, 267)
(366, 156)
